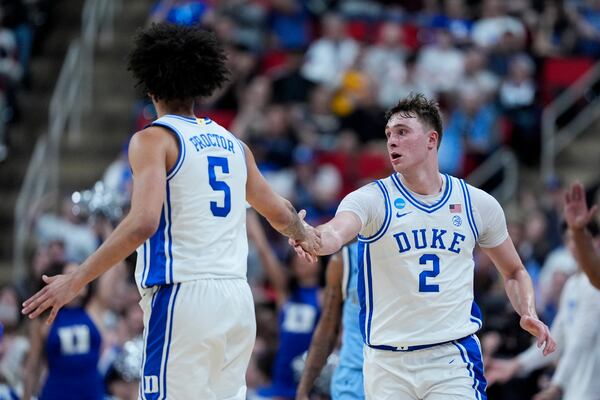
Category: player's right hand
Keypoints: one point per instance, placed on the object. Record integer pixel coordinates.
(59, 290)
(308, 247)
(538, 329)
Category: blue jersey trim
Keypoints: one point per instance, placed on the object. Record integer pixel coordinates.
(145, 341)
(156, 339)
(145, 250)
(471, 355)
(370, 282)
(170, 278)
(360, 287)
(468, 209)
(170, 333)
(182, 149)
(476, 314)
(471, 209)
(183, 118)
(158, 259)
(386, 220)
(420, 205)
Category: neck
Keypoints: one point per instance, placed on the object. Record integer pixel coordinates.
(424, 181)
(163, 109)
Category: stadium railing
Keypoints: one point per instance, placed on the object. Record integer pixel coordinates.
(502, 162)
(555, 138)
(71, 98)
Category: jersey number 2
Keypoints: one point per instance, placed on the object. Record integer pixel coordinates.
(217, 185)
(435, 261)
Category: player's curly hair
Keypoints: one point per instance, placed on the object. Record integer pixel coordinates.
(173, 62)
(417, 105)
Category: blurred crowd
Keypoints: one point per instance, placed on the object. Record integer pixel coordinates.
(310, 83)
(22, 23)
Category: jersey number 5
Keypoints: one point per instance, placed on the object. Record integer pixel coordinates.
(435, 261)
(217, 185)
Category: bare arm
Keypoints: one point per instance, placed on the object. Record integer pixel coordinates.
(340, 230)
(147, 155)
(586, 255)
(33, 363)
(324, 338)
(520, 292)
(578, 216)
(278, 211)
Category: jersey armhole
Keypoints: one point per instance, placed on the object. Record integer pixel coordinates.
(345, 271)
(469, 209)
(386, 220)
(181, 156)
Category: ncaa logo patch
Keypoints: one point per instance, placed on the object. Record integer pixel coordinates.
(456, 220)
(399, 203)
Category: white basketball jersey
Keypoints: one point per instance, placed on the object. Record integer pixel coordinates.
(416, 283)
(202, 231)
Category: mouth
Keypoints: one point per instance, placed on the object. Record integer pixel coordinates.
(395, 157)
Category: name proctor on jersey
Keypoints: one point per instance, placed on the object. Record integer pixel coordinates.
(211, 140)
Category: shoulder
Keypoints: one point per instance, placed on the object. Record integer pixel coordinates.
(481, 198)
(150, 137)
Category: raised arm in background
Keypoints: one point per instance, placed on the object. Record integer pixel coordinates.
(578, 216)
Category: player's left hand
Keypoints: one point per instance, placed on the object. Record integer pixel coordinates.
(553, 392)
(59, 290)
(538, 329)
(576, 212)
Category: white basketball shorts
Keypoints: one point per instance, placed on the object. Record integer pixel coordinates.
(448, 371)
(198, 338)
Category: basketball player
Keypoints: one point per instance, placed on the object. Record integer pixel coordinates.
(578, 216)
(416, 233)
(192, 179)
(71, 349)
(340, 302)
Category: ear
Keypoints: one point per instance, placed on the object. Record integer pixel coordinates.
(432, 140)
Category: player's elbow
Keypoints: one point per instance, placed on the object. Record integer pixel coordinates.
(144, 227)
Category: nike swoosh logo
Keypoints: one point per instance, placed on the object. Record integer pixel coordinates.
(402, 215)
(451, 361)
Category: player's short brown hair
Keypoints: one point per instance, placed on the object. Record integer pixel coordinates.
(419, 106)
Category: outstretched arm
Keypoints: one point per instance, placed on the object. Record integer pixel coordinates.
(280, 213)
(520, 292)
(147, 156)
(578, 216)
(324, 338)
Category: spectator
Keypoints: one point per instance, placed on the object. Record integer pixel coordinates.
(576, 327)
(180, 12)
(553, 36)
(587, 20)
(456, 20)
(441, 64)
(496, 24)
(290, 23)
(517, 100)
(470, 134)
(330, 56)
(476, 74)
(297, 298)
(384, 63)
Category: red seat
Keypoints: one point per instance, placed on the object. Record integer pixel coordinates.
(221, 117)
(560, 73)
(359, 30)
(373, 165)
